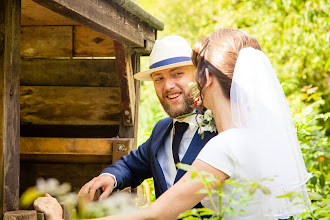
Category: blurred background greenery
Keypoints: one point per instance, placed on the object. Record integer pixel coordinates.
(295, 35)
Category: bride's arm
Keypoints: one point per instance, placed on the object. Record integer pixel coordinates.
(179, 198)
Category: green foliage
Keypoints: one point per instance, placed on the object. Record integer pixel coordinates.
(295, 35)
(228, 204)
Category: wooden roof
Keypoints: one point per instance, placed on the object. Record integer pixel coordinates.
(121, 20)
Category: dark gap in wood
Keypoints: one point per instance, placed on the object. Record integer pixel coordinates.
(76, 174)
(81, 131)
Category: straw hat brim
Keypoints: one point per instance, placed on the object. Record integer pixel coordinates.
(146, 75)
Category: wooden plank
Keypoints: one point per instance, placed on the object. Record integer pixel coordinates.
(35, 14)
(46, 41)
(10, 33)
(70, 105)
(105, 17)
(55, 72)
(126, 83)
(67, 150)
(21, 215)
(89, 43)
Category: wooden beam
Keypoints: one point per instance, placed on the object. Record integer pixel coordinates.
(61, 105)
(105, 17)
(126, 83)
(136, 69)
(46, 41)
(10, 17)
(57, 72)
(73, 150)
(35, 14)
(89, 43)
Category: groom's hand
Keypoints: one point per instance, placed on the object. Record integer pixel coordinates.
(105, 182)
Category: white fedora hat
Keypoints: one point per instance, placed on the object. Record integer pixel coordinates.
(169, 52)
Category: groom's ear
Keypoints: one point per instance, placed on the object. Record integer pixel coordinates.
(209, 78)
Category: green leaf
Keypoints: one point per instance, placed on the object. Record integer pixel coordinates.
(194, 174)
(185, 167)
(313, 180)
(314, 196)
(205, 191)
(322, 180)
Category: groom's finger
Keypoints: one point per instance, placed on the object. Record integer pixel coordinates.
(105, 193)
(86, 187)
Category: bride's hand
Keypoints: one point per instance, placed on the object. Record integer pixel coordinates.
(49, 206)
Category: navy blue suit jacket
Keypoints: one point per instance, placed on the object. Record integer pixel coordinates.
(142, 163)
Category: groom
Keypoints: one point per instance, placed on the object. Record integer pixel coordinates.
(172, 140)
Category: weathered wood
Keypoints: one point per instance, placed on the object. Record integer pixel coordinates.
(131, 131)
(70, 105)
(81, 131)
(21, 215)
(46, 41)
(121, 147)
(140, 13)
(35, 14)
(54, 72)
(89, 43)
(67, 150)
(77, 174)
(10, 33)
(126, 83)
(105, 17)
(136, 69)
(41, 216)
(67, 210)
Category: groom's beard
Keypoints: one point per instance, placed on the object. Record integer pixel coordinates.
(183, 108)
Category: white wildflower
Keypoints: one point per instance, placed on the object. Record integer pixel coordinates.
(208, 115)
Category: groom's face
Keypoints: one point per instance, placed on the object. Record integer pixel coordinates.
(172, 89)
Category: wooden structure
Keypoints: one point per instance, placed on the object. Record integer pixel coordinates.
(68, 98)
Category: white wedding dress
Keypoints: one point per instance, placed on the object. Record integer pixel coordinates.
(235, 152)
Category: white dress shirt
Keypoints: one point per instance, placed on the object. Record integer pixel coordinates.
(165, 155)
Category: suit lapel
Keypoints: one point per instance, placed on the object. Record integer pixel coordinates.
(162, 134)
(195, 147)
(158, 143)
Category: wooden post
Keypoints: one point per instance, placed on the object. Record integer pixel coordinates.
(126, 83)
(10, 22)
(128, 63)
(21, 215)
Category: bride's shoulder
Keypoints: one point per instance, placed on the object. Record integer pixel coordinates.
(231, 136)
(232, 132)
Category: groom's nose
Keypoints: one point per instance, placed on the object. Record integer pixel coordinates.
(169, 83)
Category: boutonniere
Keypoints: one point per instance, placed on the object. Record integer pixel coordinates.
(204, 119)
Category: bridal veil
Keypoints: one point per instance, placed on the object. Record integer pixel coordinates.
(258, 104)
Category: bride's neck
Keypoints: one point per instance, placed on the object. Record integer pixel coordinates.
(221, 110)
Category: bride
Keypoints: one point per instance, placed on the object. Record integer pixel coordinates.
(256, 140)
